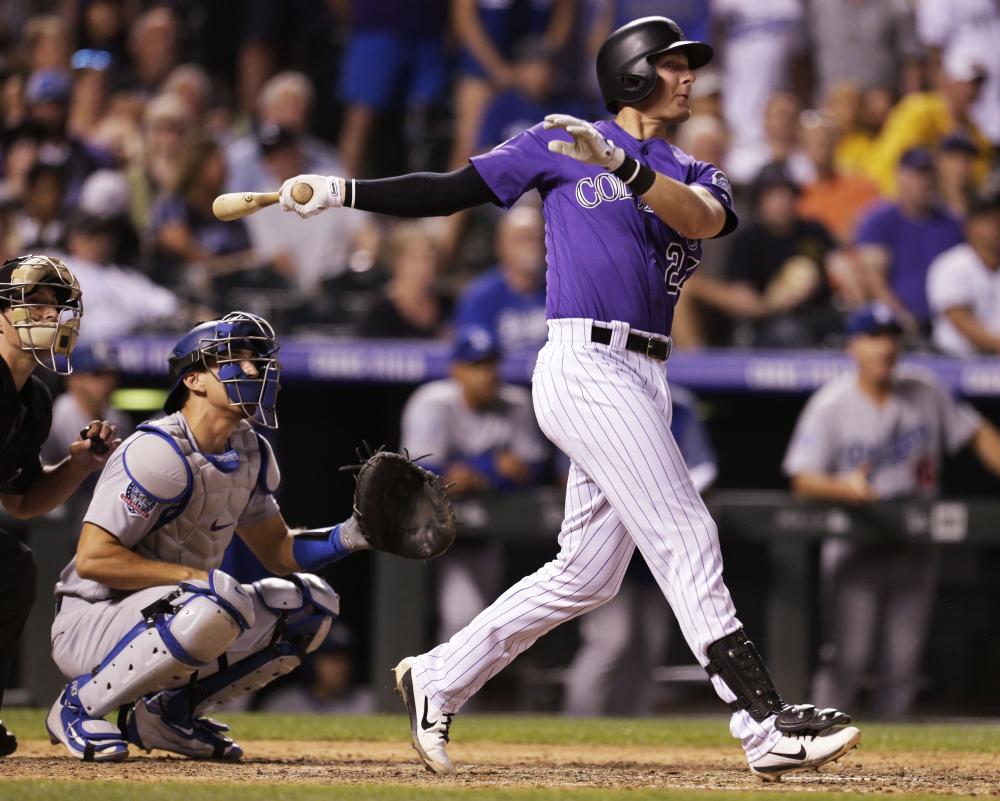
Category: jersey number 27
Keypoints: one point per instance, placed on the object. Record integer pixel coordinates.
(680, 266)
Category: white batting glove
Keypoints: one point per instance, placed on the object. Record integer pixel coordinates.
(587, 146)
(328, 192)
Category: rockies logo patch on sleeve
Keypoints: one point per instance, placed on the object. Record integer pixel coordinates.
(720, 180)
(136, 501)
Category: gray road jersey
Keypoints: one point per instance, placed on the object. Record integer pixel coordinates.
(901, 443)
(436, 420)
(163, 498)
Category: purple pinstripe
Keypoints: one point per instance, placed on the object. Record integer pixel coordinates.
(608, 409)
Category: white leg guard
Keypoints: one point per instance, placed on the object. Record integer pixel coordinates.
(306, 606)
(301, 609)
(180, 633)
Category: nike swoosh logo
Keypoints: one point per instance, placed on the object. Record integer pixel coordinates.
(800, 755)
(427, 724)
(216, 527)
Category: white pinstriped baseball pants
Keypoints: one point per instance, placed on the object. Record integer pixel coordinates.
(608, 409)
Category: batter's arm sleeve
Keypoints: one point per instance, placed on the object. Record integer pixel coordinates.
(420, 194)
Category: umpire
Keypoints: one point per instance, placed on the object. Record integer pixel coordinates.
(40, 312)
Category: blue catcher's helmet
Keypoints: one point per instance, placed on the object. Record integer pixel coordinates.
(221, 343)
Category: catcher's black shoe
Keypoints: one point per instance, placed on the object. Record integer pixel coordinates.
(8, 742)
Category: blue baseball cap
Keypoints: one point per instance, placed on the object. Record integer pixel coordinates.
(99, 357)
(876, 318)
(474, 343)
(48, 86)
(917, 158)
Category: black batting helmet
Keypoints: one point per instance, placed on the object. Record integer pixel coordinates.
(624, 69)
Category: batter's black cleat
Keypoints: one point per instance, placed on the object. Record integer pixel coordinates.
(8, 742)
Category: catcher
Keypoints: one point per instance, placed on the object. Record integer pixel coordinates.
(146, 622)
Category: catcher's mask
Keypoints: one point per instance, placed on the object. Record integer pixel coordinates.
(223, 343)
(47, 323)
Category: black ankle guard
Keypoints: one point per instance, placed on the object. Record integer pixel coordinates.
(807, 720)
(736, 660)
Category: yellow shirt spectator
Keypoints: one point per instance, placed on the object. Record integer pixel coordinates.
(921, 119)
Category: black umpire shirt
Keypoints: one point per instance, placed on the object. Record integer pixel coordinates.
(25, 419)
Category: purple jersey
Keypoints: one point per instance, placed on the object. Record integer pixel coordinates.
(609, 256)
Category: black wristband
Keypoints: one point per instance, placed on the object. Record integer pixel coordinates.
(636, 175)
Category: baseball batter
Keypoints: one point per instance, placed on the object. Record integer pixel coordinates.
(625, 213)
(172, 636)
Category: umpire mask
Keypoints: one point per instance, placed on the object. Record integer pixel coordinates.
(43, 301)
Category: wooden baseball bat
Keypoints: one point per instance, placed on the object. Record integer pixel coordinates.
(234, 205)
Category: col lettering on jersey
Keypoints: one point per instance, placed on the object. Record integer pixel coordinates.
(609, 256)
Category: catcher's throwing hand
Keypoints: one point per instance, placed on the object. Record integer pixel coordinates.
(327, 192)
(402, 508)
(588, 145)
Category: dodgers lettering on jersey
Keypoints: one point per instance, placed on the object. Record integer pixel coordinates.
(899, 444)
(609, 256)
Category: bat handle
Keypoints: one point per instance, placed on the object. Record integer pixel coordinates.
(302, 192)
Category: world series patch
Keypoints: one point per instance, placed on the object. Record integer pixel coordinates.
(137, 503)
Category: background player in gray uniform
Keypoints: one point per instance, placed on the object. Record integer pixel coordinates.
(143, 600)
(875, 434)
(625, 213)
(482, 437)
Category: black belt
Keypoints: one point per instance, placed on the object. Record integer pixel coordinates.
(652, 347)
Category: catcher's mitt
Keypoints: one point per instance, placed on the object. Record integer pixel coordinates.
(402, 508)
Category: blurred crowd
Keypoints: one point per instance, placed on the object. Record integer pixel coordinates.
(861, 136)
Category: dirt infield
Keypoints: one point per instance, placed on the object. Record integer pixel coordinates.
(521, 766)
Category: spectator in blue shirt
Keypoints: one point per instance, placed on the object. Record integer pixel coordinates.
(526, 101)
(509, 299)
(897, 241)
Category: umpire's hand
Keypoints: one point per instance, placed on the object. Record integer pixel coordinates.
(328, 192)
(98, 440)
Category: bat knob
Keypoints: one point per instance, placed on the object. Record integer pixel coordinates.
(302, 192)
